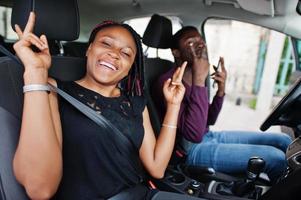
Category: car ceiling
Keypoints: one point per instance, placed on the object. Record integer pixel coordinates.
(279, 15)
(283, 18)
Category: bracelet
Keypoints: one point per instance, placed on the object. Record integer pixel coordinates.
(36, 87)
(169, 126)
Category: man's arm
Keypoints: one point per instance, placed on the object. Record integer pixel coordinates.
(214, 109)
(192, 122)
(217, 103)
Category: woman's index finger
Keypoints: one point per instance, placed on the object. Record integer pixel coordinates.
(176, 74)
(30, 23)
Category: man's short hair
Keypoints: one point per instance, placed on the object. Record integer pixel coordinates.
(179, 34)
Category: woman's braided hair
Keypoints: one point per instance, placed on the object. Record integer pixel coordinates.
(133, 84)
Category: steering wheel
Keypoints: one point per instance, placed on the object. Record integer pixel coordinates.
(284, 112)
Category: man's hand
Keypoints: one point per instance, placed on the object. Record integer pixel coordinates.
(220, 78)
(200, 65)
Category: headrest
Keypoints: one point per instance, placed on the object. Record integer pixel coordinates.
(158, 32)
(57, 19)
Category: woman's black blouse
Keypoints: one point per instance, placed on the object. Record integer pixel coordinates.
(93, 165)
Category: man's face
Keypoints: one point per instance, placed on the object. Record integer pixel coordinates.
(191, 45)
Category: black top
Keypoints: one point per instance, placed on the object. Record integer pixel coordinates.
(93, 165)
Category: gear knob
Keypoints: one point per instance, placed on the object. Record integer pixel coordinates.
(255, 167)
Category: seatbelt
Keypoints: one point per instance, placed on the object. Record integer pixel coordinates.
(100, 120)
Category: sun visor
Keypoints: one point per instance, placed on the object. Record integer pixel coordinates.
(261, 7)
(57, 19)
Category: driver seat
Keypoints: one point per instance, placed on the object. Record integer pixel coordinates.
(157, 35)
(65, 12)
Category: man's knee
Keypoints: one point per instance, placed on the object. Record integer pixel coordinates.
(284, 141)
(276, 160)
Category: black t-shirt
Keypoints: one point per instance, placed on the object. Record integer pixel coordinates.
(93, 165)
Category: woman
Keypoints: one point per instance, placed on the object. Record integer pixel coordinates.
(61, 152)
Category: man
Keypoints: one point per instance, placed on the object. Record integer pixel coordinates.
(224, 151)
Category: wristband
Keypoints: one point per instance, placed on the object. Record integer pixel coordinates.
(36, 87)
(169, 126)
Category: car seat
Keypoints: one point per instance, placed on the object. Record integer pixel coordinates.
(3, 44)
(77, 49)
(65, 14)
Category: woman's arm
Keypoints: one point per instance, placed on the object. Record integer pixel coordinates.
(38, 159)
(155, 154)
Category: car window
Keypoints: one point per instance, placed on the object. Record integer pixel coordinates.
(298, 50)
(140, 24)
(260, 65)
(5, 28)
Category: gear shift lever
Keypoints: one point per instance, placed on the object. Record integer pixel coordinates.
(245, 187)
(255, 167)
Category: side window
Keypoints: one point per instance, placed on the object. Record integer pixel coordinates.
(259, 62)
(5, 28)
(140, 24)
(297, 44)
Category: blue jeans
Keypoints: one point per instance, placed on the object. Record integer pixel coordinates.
(229, 151)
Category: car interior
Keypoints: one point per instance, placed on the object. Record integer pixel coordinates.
(63, 22)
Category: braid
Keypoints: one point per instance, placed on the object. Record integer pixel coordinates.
(135, 81)
(133, 84)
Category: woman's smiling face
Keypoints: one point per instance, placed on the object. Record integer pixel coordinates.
(111, 55)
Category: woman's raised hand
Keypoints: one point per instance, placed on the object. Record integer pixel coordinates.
(32, 60)
(173, 88)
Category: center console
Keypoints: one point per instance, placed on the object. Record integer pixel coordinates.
(210, 184)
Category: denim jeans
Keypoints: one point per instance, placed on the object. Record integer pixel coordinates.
(229, 151)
